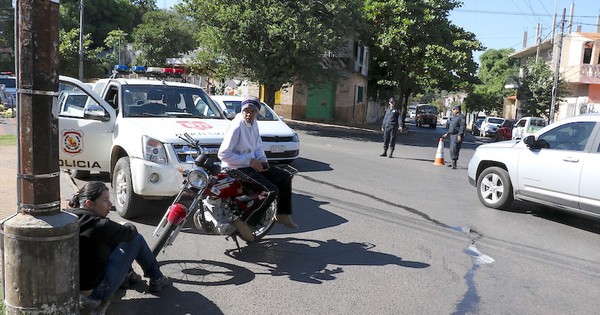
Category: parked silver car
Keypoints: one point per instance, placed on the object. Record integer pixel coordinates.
(558, 167)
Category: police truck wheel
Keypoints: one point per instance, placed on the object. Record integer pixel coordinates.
(494, 188)
(127, 203)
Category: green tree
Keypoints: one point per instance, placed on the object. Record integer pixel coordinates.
(114, 44)
(275, 42)
(495, 71)
(69, 55)
(415, 47)
(535, 89)
(103, 16)
(163, 34)
(7, 36)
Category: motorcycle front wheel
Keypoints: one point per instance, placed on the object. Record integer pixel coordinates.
(264, 224)
(166, 232)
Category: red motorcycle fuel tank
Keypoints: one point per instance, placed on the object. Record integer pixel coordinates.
(226, 186)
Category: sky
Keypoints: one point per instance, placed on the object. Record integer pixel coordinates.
(501, 23)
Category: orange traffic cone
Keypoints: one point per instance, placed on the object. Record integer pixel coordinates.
(439, 155)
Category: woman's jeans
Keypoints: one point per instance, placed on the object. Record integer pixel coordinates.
(119, 264)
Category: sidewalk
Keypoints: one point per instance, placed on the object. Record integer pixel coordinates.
(8, 169)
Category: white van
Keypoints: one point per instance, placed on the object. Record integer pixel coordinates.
(527, 126)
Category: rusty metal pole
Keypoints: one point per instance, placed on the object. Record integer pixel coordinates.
(41, 243)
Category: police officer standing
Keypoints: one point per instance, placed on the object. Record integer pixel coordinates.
(456, 131)
(390, 127)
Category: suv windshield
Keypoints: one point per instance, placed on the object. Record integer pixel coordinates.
(161, 101)
(9, 83)
(265, 113)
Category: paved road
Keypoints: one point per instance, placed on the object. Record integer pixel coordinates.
(383, 236)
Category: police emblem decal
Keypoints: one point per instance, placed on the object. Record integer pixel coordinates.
(72, 142)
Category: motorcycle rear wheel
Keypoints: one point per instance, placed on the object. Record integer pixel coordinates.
(162, 238)
(265, 223)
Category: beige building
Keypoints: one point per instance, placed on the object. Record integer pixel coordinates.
(343, 100)
(579, 66)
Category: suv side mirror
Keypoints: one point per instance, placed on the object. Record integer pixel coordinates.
(96, 112)
(229, 113)
(532, 143)
(529, 141)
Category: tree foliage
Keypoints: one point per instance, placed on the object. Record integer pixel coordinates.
(7, 38)
(495, 71)
(69, 55)
(275, 42)
(102, 16)
(414, 47)
(535, 89)
(163, 34)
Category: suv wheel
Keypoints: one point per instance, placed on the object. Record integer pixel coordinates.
(494, 188)
(127, 203)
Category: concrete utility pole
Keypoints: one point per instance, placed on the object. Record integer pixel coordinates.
(81, 40)
(41, 243)
(558, 55)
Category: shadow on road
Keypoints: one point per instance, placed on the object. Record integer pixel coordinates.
(566, 218)
(306, 260)
(169, 301)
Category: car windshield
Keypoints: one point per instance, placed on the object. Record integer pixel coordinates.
(265, 113)
(538, 123)
(161, 101)
(495, 120)
(9, 83)
(427, 109)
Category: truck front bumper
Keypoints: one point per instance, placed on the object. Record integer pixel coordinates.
(151, 179)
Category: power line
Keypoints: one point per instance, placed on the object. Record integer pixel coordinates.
(520, 13)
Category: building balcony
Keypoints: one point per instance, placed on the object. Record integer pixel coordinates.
(584, 74)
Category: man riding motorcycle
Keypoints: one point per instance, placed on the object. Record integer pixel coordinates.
(242, 149)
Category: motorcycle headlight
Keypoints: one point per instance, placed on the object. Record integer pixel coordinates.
(198, 178)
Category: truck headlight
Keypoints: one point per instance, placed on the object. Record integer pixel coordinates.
(154, 150)
(198, 178)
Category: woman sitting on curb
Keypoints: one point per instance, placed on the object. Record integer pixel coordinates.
(107, 249)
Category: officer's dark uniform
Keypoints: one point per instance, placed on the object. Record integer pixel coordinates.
(457, 127)
(389, 125)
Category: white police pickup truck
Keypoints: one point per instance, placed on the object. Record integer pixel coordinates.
(129, 128)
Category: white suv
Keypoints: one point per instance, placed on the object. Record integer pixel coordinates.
(556, 167)
(131, 129)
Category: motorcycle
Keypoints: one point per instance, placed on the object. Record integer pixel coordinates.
(219, 199)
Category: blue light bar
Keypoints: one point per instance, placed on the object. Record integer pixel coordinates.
(138, 69)
(121, 68)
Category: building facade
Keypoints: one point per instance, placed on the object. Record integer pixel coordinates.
(579, 66)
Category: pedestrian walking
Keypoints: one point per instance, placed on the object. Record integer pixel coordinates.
(389, 127)
(456, 131)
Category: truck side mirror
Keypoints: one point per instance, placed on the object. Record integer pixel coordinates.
(96, 112)
(229, 113)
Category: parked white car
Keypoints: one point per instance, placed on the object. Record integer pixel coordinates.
(527, 126)
(280, 142)
(489, 126)
(556, 167)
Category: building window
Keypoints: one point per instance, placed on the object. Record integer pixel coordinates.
(587, 52)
